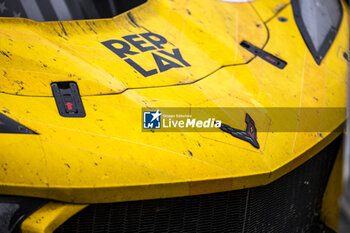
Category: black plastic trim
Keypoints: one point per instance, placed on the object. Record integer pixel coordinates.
(68, 99)
(27, 206)
(273, 60)
(327, 42)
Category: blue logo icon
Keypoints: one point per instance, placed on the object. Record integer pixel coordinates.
(151, 120)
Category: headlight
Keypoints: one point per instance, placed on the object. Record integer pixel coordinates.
(13, 210)
(7, 125)
(318, 22)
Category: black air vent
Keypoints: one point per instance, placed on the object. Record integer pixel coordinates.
(290, 204)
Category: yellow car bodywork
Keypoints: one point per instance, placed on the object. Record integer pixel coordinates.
(105, 157)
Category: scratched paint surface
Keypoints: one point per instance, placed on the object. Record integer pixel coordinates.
(91, 159)
(197, 38)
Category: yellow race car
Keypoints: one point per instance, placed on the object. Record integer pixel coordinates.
(89, 93)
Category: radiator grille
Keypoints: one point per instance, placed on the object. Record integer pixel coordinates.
(289, 204)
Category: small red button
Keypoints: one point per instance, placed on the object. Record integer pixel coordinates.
(69, 106)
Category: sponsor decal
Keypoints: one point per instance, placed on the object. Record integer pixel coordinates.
(131, 45)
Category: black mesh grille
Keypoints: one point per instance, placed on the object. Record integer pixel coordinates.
(290, 204)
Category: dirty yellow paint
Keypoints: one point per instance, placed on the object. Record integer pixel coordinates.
(87, 160)
(49, 217)
(268, 9)
(35, 54)
(105, 157)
